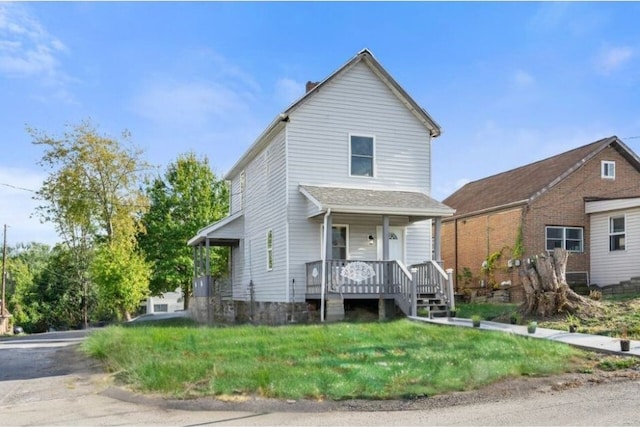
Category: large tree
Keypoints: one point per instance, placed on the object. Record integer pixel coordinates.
(188, 197)
(92, 195)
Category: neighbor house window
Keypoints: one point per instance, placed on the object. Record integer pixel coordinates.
(160, 308)
(608, 169)
(269, 250)
(569, 238)
(616, 233)
(362, 150)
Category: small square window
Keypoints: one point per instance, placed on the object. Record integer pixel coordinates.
(608, 169)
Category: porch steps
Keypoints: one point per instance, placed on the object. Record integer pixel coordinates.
(436, 306)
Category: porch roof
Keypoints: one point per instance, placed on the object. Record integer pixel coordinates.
(227, 231)
(380, 202)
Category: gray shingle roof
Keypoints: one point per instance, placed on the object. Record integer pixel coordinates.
(359, 200)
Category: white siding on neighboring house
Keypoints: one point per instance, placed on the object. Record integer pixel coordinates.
(612, 267)
(354, 103)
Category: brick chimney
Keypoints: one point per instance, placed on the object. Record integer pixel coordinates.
(311, 85)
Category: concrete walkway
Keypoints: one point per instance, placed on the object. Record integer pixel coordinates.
(598, 343)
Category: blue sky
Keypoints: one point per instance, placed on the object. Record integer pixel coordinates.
(510, 83)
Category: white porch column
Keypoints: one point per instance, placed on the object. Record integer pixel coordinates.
(385, 238)
(437, 231)
(207, 259)
(328, 237)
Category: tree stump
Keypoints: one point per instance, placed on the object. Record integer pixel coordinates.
(546, 290)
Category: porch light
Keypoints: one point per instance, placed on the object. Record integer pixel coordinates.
(371, 239)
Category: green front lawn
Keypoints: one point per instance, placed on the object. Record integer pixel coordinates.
(388, 360)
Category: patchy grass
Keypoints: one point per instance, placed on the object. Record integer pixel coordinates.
(618, 313)
(487, 311)
(389, 360)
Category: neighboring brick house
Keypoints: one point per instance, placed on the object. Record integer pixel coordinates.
(525, 211)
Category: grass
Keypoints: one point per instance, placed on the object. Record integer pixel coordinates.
(399, 359)
(486, 311)
(618, 313)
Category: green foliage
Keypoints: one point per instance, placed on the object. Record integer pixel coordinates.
(518, 248)
(400, 359)
(489, 267)
(614, 363)
(92, 195)
(188, 197)
(487, 311)
(122, 276)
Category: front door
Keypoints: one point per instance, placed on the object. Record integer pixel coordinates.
(396, 243)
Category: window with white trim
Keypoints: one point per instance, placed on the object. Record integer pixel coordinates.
(617, 233)
(569, 238)
(608, 169)
(270, 250)
(339, 242)
(361, 149)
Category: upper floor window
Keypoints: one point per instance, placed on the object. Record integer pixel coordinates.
(269, 250)
(569, 238)
(608, 169)
(362, 151)
(616, 233)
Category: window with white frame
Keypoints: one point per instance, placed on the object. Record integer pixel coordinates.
(569, 238)
(608, 169)
(270, 250)
(339, 242)
(362, 155)
(617, 233)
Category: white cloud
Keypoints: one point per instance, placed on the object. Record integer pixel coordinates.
(550, 16)
(17, 188)
(26, 48)
(288, 90)
(173, 103)
(522, 79)
(613, 58)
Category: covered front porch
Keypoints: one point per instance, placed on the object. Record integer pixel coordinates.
(378, 265)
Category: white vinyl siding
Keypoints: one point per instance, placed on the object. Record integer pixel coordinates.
(611, 267)
(355, 103)
(264, 209)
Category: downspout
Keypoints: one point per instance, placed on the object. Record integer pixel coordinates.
(324, 265)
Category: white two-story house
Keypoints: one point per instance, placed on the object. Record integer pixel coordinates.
(330, 206)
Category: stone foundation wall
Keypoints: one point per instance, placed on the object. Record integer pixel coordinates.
(212, 310)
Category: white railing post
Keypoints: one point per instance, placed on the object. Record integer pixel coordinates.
(452, 297)
(414, 292)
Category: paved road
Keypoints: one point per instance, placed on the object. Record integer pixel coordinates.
(35, 390)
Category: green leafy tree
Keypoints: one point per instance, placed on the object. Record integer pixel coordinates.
(188, 197)
(92, 195)
(123, 275)
(25, 264)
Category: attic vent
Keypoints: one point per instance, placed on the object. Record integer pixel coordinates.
(311, 85)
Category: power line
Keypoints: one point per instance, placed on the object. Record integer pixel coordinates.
(17, 188)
